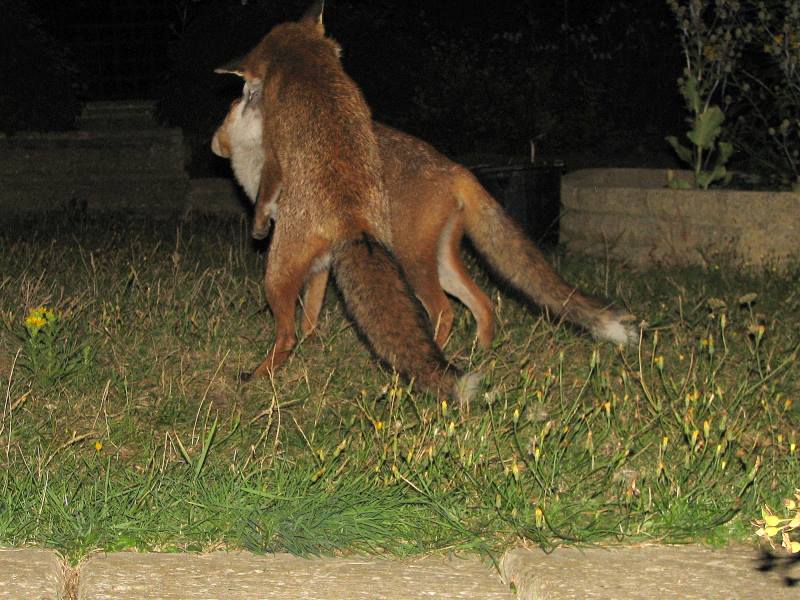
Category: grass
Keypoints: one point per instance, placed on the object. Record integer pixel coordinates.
(127, 427)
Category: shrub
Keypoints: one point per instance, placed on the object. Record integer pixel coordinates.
(767, 88)
(712, 43)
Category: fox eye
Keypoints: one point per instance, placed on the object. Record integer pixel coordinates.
(251, 94)
(248, 92)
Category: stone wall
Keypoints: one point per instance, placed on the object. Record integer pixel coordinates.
(633, 216)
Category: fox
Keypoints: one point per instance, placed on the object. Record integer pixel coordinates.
(434, 202)
(322, 158)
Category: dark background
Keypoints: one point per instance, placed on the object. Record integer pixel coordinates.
(591, 82)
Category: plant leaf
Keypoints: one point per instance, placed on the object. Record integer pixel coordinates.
(689, 91)
(684, 153)
(707, 126)
(676, 183)
(706, 178)
(725, 152)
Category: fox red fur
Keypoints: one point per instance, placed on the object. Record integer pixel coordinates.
(433, 203)
(322, 157)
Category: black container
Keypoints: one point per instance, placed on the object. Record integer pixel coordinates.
(531, 195)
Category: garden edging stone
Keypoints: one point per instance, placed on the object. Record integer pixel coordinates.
(31, 573)
(690, 572)
(633, 216)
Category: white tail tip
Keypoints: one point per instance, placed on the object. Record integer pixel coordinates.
(466, 388)
(618, 329)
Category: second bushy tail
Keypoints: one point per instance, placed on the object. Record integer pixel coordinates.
(513, 256)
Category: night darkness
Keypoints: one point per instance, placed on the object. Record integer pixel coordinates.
(592, 83)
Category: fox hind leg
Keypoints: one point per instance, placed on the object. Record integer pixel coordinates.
(456, 280)
(287, 269)
(423, 276)
(313, 297)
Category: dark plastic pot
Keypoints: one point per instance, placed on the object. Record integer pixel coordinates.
(530, 193)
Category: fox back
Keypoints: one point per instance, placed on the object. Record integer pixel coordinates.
(320, 128)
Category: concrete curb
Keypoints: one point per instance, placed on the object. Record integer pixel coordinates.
(241, 575)
(686, 572)
(31, 573)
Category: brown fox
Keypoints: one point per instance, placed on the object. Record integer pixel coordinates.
(322, 156)
(433, 202)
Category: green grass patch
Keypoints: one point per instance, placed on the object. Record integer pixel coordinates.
(124, 425)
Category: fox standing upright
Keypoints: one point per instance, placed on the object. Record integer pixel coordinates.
(334, 209)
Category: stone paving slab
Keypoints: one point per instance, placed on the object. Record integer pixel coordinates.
(240, 576)
(685, 572)
(31, 573)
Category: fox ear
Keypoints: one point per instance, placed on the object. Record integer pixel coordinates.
(233, 67)
(314, 16)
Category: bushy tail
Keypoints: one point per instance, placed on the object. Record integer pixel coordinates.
(380, 301)
(516, 258)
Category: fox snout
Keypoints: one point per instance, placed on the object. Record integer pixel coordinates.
(219, 146)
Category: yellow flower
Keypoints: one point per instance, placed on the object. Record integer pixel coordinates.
(98, 445)
(35, 321)
(693, 441)
(38, 318)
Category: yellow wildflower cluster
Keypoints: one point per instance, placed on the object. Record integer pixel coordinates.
(772, 526)
(38, 318)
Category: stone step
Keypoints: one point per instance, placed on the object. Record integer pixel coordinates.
(81, 152)
(137, 194)
(217, 195)
(116, 115)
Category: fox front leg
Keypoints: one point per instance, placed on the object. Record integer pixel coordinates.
(269, 190)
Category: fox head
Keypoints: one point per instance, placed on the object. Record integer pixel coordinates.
(239, 138)
(254, 66)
